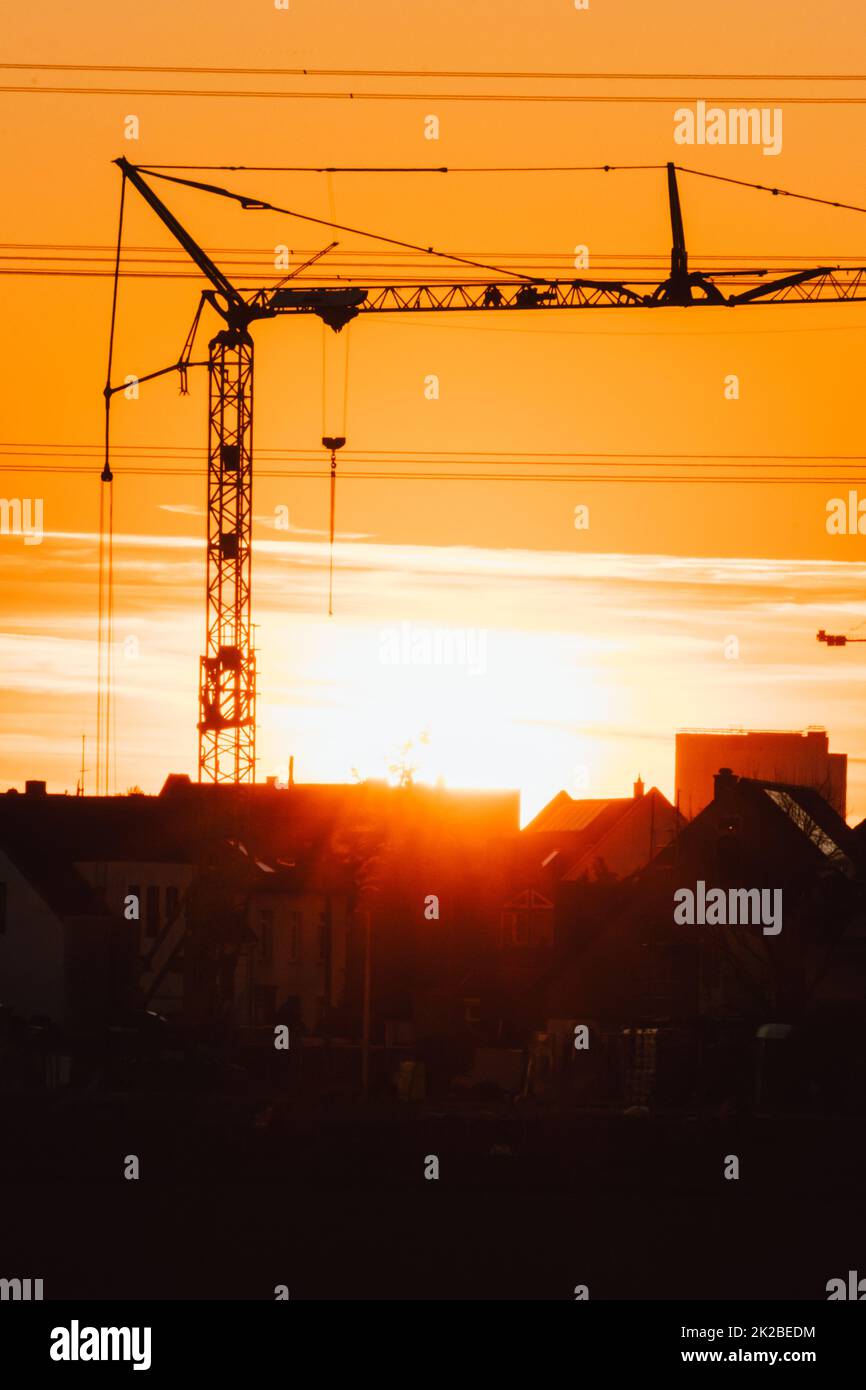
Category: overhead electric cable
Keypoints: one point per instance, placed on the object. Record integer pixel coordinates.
(459, 73)
(546, 98)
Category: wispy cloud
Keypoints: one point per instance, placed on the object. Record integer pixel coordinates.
(591, 659)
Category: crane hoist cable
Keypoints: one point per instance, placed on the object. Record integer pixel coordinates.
(333, 443)
(105, 711)
(108, 694)
(100, 624)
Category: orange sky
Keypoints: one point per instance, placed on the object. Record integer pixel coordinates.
(599, 643)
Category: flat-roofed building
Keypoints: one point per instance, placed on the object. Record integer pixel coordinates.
(798, 758)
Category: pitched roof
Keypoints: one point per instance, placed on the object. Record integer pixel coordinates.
(824, 836)
(814, 817)
(56, 880)
(628, 829)
(566, 813)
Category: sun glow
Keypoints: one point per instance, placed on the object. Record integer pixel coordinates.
(441, 704)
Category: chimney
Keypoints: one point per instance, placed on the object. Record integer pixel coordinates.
(724, 783)
(292, 770)
(638, 788)
(34, 788)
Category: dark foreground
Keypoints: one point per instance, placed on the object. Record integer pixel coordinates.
(235, 1198)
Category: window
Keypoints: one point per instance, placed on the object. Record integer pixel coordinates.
(528, 922)
(2, 909)
(515, 927)
(266, 935)
(294, 919)
(151, 917)
(172, 897)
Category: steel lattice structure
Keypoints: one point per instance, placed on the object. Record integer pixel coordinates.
(227, 687)
(822, 285)
(227, 692)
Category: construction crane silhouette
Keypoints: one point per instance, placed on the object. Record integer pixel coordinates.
(227, 686)
(837, 639)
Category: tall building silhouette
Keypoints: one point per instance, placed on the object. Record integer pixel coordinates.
(798, 758)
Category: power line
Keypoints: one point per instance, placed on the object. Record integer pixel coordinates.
(491, 97)
(636, 276)
(257, 259)
(177, 450)
(459, 73)
(386, 255)
(405, 476)
(652, 467)
(649, 471)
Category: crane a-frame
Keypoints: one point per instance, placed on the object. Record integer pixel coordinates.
(227, 688)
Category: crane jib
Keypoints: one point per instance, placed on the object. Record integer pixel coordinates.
(227, 691)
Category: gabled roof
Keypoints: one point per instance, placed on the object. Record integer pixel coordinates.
(566, 813)
(815, 818)
(577, 830)
(827, 841)
(527, 898)
(644, 899)
(616, 828)
(823, 835)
